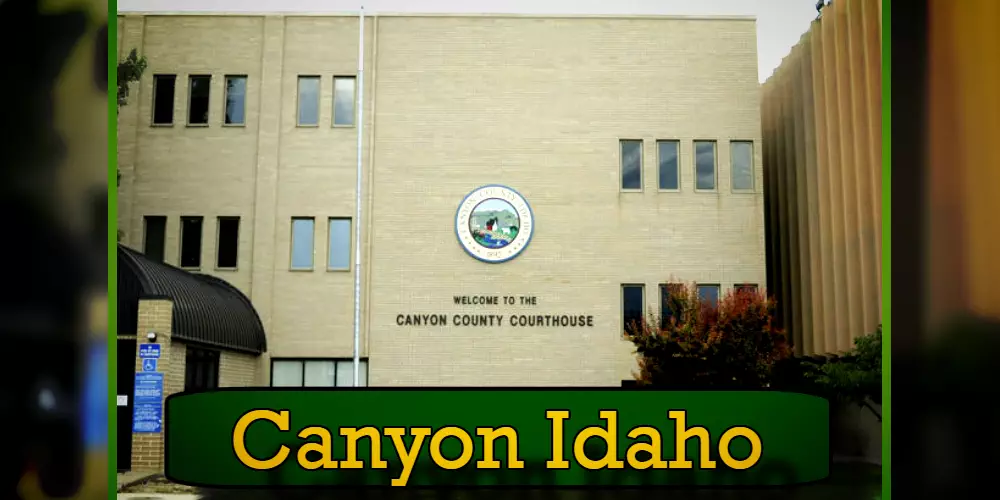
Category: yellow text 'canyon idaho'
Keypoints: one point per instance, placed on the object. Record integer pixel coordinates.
(640, 454)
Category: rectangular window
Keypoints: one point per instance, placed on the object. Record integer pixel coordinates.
(745, 288)
(308, 101)
(704, 165)
(339, 250)
(632, 300)
(317, 373)
(302, 242)
(709, 294)
(154, 236)
(343, 101)
(163, 99)
(668, 302)
(742, 164)
(631, 165)
(667, 151)
(201, 370)
(236, 100)
(191, 241)
(229, 243)
(198, 92)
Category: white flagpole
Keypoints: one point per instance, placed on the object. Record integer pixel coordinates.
(357, 215)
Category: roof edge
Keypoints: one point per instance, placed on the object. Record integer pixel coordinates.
(255, 13)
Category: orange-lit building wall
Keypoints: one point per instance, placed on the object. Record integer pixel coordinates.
(963, 159)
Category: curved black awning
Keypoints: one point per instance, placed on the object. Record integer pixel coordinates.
(207, 310)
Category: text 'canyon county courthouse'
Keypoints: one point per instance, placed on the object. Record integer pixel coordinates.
(529, 184)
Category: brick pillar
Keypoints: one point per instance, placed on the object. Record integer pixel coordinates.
(156, 315)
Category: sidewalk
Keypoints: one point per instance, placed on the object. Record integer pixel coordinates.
(159, 496)
(126, 479)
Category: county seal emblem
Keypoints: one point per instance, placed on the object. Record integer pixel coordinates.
(494, 224)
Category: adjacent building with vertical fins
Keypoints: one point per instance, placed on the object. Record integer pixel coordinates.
(821, 114)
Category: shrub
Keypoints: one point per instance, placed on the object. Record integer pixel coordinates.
(854, 378)
(733, 345)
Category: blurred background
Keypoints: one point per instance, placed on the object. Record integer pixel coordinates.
(946, 239)
(53, 307)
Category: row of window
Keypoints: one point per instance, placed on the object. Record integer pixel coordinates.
(669, 170)
(234, 112)
(201, 371)
(227, 241)
(634, 300)
(317, 373)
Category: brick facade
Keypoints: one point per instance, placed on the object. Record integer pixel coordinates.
(235, 370)
(452, 103)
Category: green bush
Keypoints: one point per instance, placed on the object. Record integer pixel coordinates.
(854, 378)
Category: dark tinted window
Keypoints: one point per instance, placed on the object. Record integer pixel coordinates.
(155, 232)
(668, 302)
(631, 164)
(308, 100)
(236, 95)
(163, 99)
(201, 370)
(709, 294)
(229, 236)
(198, 100)
(191, 241)
(631, 306)
(668, 153)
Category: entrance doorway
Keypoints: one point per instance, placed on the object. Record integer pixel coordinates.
(126, 388)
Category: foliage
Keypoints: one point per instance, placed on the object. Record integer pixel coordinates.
(129, 71)
(697, 346)
(854, 378)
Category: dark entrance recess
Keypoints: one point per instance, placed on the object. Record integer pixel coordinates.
(207, 311)
(201, 370)
(126, 387)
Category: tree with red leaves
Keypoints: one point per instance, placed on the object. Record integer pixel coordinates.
(700, 346)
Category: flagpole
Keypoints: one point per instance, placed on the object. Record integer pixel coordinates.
(357, 214)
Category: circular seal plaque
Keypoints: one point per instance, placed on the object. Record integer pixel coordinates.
(494, 224)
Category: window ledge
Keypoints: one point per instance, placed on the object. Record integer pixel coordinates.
(234, 125)
(197, 125)
(161, 125)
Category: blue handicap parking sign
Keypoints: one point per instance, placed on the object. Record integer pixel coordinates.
(147, 413)
(149, 365)
(149, 351)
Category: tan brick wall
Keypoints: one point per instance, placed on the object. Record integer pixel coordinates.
(237, 369)
(538, 104)
(156, 316)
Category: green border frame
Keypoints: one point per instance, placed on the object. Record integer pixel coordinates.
(886, 248)
(113, 242)
(112, 249)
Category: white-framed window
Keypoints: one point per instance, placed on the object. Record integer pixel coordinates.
(317, 372)
(343, 101)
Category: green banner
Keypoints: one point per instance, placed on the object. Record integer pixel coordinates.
(483, 437)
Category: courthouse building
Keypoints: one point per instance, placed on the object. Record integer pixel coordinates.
(529, 184)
